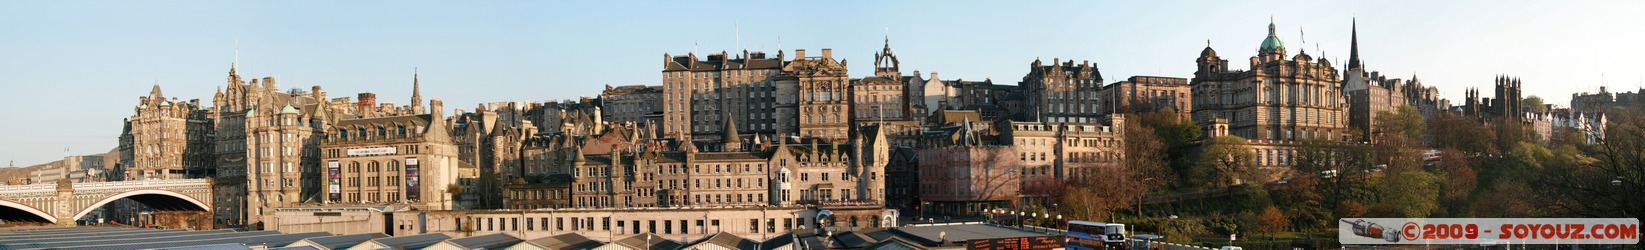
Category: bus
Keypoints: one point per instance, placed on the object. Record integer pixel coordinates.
(1087, 235)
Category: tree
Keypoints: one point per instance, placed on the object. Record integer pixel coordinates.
(1505, 200)
(1178, 135)
(997, 172)
(1409, 194)
(1398, 143)
(1533, 104)
(1450, 130)
(455, 191)
(1609, 183)
(1350, 209)
(1231, 161)
(1098, 197)
(1272, 221)
(1460, 183)
(1145, 160)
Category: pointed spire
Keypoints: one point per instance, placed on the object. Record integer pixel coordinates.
(1353, 51)
(154, 93)
(731, 130)
(416, 89)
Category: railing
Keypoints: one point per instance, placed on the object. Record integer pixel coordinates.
(27, 188)
(163, 182)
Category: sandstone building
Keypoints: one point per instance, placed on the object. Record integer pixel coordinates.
(407, 159)
(1277, 99)
(1146, 94)
(1061, 92)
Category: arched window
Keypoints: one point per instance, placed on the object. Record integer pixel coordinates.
(354, 167)
(393, 165)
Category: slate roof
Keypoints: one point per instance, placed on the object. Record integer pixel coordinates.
(489, 241)
(570, 241)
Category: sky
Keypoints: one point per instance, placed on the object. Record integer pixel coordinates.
(70, 71)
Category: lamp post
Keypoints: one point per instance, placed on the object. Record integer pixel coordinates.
(1626, 205)
(1140, 195)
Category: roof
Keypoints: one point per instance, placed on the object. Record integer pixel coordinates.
(490, 241)
(638, 241)
(726, 240)
(570, 241)
(224, 246)
(339, 241)
(411, 241)
(932, 235)
(1272, 42)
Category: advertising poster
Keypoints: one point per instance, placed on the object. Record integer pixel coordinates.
(413, 190)
(334, 181)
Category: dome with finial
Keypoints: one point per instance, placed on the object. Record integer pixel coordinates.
(1208, 52)
(1271, 43)
(288, 109)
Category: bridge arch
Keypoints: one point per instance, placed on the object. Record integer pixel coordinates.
(154, 198)
(16, 211)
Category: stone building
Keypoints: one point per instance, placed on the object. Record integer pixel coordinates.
(633, 103)
(1276, 99)
(1371, 93)
(1145, 94)
(696, 92)
(969, 166)
(823, 90)
(1052, 153)
(490, 138)
(1505, 105)
(805, 96)
(1062, 92)
(625, 167)
(404, 159)
(268, 144)
(968, 180)
(166, 139)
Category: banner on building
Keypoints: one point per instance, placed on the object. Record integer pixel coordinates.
(413, 189)
(334, 181)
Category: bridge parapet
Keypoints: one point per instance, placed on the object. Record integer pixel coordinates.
(64, 202)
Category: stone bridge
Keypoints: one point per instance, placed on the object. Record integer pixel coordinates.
(64, 202)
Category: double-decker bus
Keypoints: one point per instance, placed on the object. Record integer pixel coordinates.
(1086, 235)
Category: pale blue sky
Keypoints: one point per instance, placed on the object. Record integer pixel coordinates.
(71, 70)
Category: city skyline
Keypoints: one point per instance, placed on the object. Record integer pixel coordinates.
(541, 51)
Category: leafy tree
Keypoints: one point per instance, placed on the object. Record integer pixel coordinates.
(1450, 130)
(1533, 104)
(1231, 161)
(1406, 121)
(1460, 183)
(1350, 209)
(1396, 145)
(1179, 135)
(1505, 200)
(1272, 221)
(1409, 194)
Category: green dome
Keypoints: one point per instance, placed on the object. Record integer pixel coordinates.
(1272, 42)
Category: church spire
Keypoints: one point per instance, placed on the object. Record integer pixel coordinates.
(416, 89)
(1353, 51)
